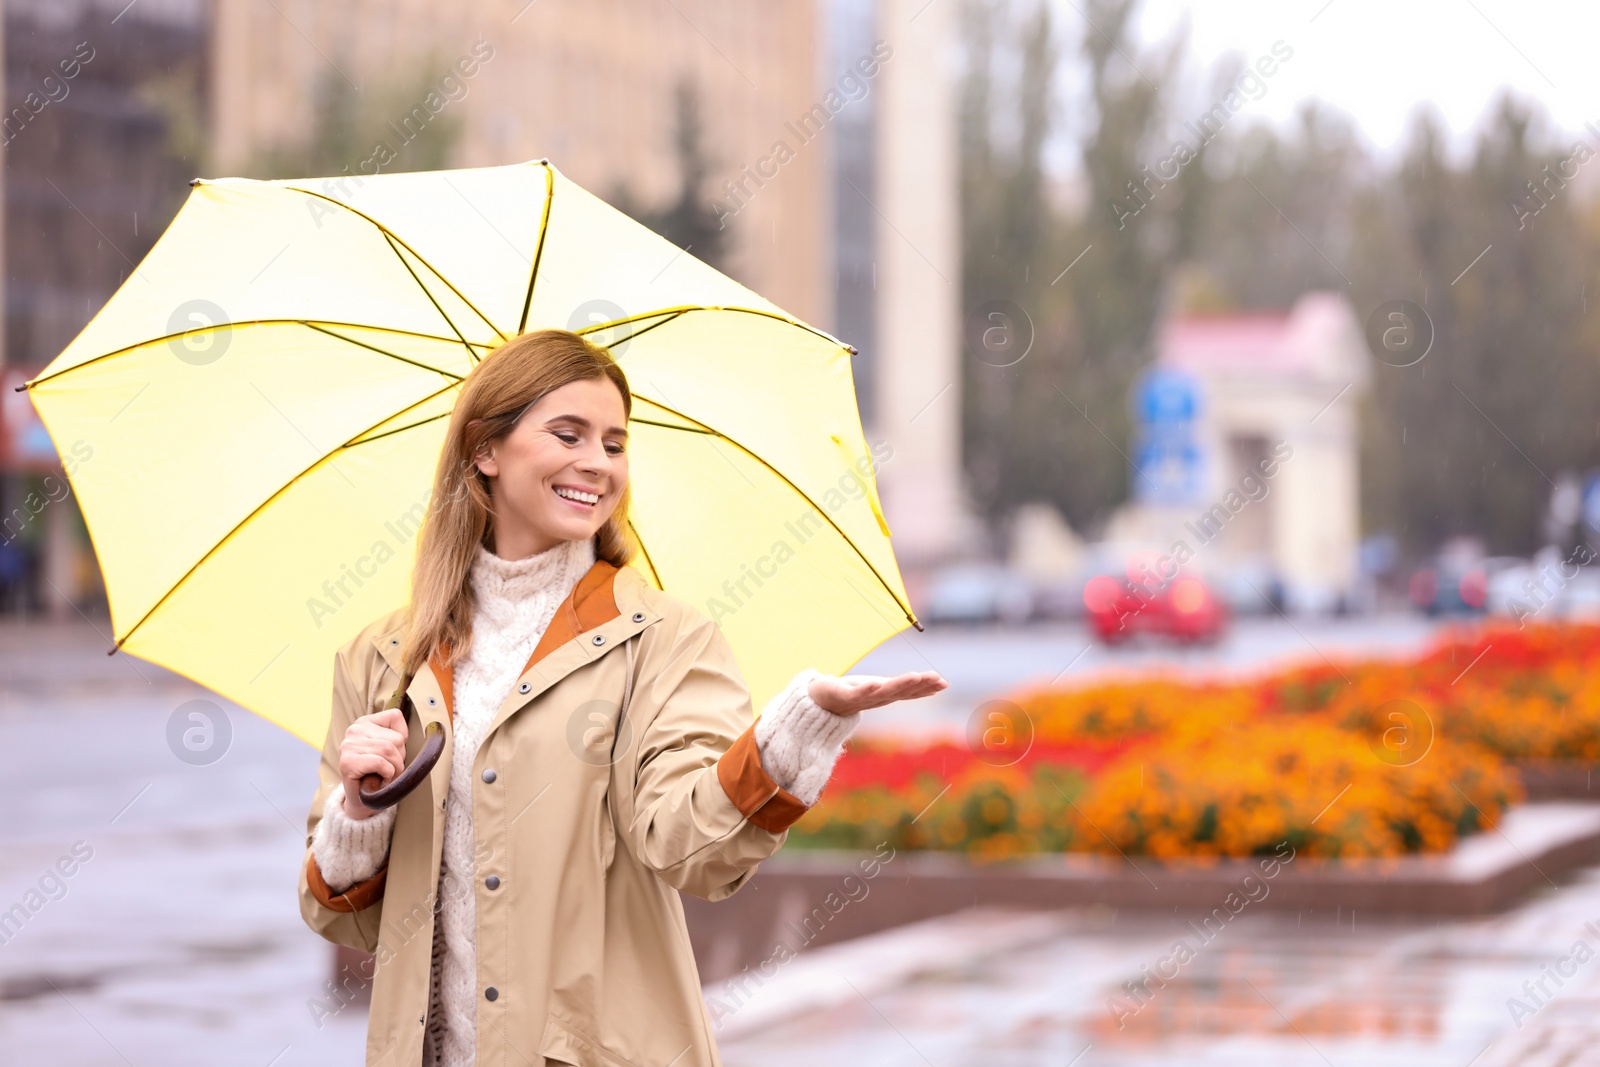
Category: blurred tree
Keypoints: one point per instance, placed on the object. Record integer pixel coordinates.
(1005, 223)
(1054, 425)
(688, 221)
(1278, 212)
(1120, 285)
(1497, 247)
(1472, 439)
(388, 127)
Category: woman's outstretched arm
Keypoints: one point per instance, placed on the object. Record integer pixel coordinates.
(707, 804)
(800, 741)
(802, 731)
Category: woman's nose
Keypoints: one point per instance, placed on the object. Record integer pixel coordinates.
(594, 460)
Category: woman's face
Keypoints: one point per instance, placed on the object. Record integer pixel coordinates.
(558, 474)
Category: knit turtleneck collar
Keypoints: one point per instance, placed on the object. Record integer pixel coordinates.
(548, 575)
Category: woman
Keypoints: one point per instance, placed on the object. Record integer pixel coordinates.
(522, 903)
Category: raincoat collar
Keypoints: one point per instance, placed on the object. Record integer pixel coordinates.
(605, 606)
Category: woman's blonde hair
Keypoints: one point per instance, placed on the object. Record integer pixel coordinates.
(511, 379)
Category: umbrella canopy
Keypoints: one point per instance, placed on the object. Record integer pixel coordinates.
(267, 394)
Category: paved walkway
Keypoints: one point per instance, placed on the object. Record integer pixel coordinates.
(1027, 990)
(175, 939)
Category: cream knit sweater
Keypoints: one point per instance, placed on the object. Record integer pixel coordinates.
(516, 599)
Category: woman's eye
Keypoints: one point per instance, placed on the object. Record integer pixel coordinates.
(568, 438)
(615, 450)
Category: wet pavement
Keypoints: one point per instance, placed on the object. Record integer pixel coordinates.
(158, 924)
(1269, 989)
(158, 920)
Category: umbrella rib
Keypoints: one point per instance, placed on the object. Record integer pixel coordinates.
(353, 442)
(638, 540)
(538, 250)
(383, 352)
(680, 310)
(799, 492)
(538, 254)
(253, 322)
(670, 426)
(392, 236)
(428, 293)
(667, 316)
(261, 506)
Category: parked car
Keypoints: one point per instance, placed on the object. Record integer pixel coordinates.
(1251, 589)
(1581, 596)
(1058, 598)
(1546, 586)
(977, 593)
(1184, 608)
(1455, 581)
(1450, 587)
(1504, 586)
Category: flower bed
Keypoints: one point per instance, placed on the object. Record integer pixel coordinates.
(942, 797)
(1374, 758)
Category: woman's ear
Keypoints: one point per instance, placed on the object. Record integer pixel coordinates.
(484, 459)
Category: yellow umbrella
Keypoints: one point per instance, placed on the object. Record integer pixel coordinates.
(267, 394)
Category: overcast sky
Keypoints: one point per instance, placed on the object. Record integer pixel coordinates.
(1377, 60)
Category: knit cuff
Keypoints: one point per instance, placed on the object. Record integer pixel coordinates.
(349, 850)
(800, 741)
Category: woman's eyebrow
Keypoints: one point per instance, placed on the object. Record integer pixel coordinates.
(579, 420)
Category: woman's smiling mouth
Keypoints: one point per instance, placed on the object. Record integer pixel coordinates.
(577, 496)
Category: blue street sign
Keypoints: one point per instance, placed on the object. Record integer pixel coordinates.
(1168, 458)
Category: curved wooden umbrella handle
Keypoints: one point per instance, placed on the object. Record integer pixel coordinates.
(377, 796)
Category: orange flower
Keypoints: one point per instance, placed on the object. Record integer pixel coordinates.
(1365, 759)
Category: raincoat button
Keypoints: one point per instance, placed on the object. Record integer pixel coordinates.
(524, 687)
(488, 775)
(433, 700)
(638, 616)
(491, 993)
(599, 639)
(493, 881)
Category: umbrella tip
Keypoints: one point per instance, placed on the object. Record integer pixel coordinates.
(918, 625)
(852, 350)
(194, 182)
(20, 388)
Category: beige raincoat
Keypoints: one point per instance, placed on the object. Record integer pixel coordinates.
(582, 952)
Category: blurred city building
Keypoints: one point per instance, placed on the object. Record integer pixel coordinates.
(807, 149)
(830, 159)
(916, 391)
(852, 30)
(592, 87)
(92, 134)
(1247, 449)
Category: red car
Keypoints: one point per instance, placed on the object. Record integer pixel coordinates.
(1183, 608)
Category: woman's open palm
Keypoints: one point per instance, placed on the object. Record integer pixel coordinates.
(857, 692)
